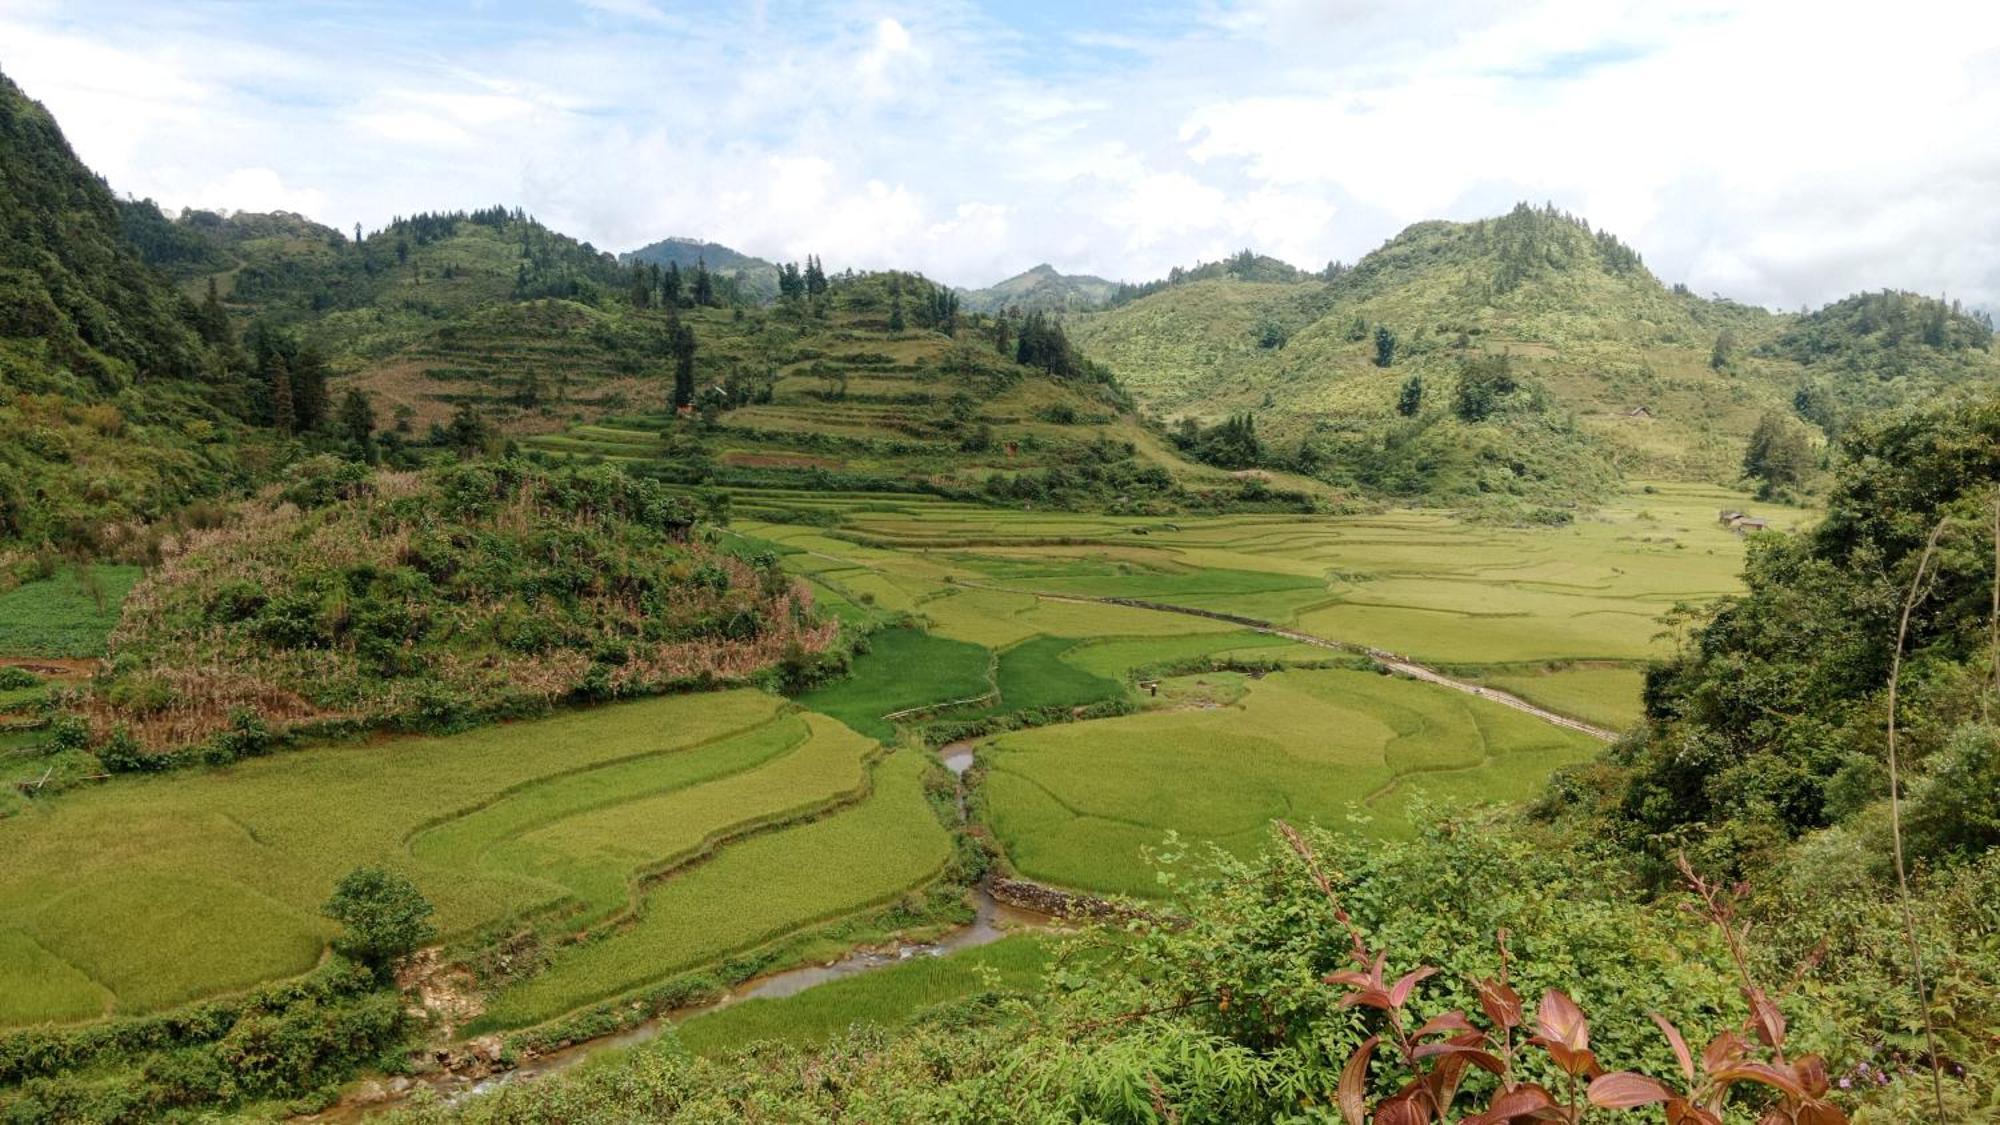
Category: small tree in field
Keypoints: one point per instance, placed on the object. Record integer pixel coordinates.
(386, 917)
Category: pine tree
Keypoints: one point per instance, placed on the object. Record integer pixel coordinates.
(670, 284)
(1385, 346)
(896, 312)
(279, 380)
(357, 422)
(1411, 401)
(310, 401)
(214, 320)
(681, 343)
(1002, 339)
(704, 285)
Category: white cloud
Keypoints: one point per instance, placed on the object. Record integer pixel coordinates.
(1782, 152)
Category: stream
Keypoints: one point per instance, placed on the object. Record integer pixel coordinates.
(992, 920)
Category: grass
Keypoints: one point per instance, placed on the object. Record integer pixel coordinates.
(1077, 805)
(167, 889)
(750, 893)
(1607, 695)
(888, 997)
(902, 668)
(1033, 675)
(68, 615)
(593, 832)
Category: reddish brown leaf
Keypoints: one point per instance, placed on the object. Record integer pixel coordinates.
(1625, 1090)
(1679, 1045)
(1353, 1095)
(1484, 1060)
(1581, 1064)
(1560, 1019)
(1517, 1103)
(1402, 1111)
(1721, 1051)
(1369, 997)
(1821, 1113)
(1680, 1112)
(1502, 1003)
(1449, 1021)
(1765, 1016)
(1401, 992)
(1348, 977)
(1811, 1072)
(1775, 1077)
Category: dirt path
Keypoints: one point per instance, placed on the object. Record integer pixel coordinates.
(1388, 660)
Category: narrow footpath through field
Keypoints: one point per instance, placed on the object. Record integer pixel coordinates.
(1388, 660)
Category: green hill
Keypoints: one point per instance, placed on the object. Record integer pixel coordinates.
(1611, 371)
(757, 277)
(434, 599)
(1040, 288)
(112, 404)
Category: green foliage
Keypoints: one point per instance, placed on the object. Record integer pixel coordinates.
(1484, 385)
(430, 601)
(1410, 400)
(1780, 456)
(1385, 346)
(70, 613)
(1769, 723)
(386, 918)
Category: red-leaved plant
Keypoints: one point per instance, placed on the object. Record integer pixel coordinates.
(1436, 1054)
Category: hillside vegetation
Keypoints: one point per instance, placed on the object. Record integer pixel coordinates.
(427, 600)
(1525, 357)
(113, 406)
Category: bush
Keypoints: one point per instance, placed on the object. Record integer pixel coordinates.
(385, 916)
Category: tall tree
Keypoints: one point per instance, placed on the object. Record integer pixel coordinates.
(681, 343)
(357, 420)
(1724, 350)
(670, 284)
(310, 400)
(1779, 454)
(704, 285)
(279, 379)
(214, 320)
(1410, 402)
(1385, 346)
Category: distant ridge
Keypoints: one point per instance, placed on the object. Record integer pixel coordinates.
(758, 277)
(1042, 288)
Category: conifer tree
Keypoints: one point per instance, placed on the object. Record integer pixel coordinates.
(214, 321)
(704, 285)
(1411, 401)
(279, 381)
(310, 401)
(357, 422)
(681, 343)
(670, 284)
(1385, 346)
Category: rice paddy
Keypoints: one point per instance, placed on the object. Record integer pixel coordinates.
(145, 893)
(646, 840)
(1079, 805)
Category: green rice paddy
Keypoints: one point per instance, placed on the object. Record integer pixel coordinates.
(1078, 805)
(645, 840)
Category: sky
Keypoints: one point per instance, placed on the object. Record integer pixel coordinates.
(1780, 153)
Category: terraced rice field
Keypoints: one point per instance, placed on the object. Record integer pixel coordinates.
(680, 832)
(1078, 805)
(750, 893)
(146, 893)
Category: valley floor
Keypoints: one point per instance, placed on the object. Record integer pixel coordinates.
(640, 842)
